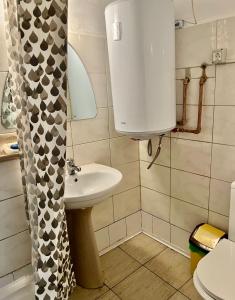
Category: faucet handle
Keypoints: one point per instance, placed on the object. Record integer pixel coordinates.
(70, 161)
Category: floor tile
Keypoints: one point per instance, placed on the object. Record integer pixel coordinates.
(109, 296)
(189, 290)
(142, 248)
(172, 267)
(87, 294)
(143, 284)
(178, 296)
(117, 265)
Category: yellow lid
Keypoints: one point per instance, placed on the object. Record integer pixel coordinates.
(208, 235)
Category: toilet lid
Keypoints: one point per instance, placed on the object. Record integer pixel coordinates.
(216, 271)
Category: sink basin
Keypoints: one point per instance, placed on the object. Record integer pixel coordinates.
(90, 186)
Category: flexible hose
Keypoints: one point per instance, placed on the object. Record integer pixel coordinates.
(158, 151)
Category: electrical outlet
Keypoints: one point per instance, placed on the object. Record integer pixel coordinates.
(219, 56)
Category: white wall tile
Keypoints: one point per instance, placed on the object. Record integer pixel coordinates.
(220, 196)
(3, 56)
(225, 92)
(161, 230)
(223, 162)
(164, 157)
(91, 130)
(126, 203)
(112, 131)
(123, 150)
(219, 221)
(180, 239)
(190, 187)
(191, 156)
(224, 125)
(155, 203)
(102, 238)
(95, 152)
(13, 187)
(117, 231)
(147, 222)
(102, 214)
(187, 216)
(131, 177)
(12, 217)
(156, 178)
(18, 244)
(225, 37)
(195, 44)
(133, 224)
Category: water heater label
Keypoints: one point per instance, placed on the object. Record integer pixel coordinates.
(117, 31)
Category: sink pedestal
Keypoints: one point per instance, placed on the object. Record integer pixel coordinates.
(85, 256)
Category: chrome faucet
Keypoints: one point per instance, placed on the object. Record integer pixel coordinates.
(71, 167)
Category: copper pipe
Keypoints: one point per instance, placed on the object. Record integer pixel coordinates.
(185, 90)
(202, 82)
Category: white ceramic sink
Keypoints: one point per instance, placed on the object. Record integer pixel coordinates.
(89, 186)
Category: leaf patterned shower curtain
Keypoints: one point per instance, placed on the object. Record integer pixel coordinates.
(36, 33)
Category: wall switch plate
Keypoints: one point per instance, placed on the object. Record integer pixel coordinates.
(219, 56)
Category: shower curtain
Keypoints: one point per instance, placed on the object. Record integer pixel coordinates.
(36, 32)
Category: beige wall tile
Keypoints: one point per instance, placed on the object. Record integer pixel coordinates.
(164, 157)
(94, 61)
(25, 271)
(191, 156)
(131, 176)
(69, 134)
(225, 37)
(19, 244)
(223, 162)
(102, 214)
(220, 196)
(123, 150)
(224, 125)
(12, 217)
(95, 152)
(225, 92)
(10, 169)
(155, 203)
(195, 72)
(133, 224)
(3, 56)
(161, 230)
(99, 83)
(187, 216)
(190, 187)
(218, 221)
(194, 45)
(147, 223)
(156, 178)
(180, 239)
(6, 280)
(126, 203)
(102, 238)
(193, 92)
(91, 130)
(207, 123)
(117, 231)
(3, 76)
(69, 153)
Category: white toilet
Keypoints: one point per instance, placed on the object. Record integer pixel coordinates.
(214, 277)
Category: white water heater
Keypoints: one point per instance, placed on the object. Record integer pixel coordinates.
(141, 48)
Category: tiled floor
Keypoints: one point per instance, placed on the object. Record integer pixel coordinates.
(143, 269)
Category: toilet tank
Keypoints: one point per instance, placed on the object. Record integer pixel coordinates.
(141, 50)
